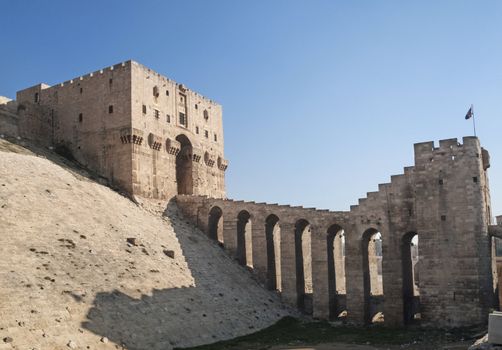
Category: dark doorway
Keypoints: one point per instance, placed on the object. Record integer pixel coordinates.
(244, 239)
(184, 166)
(303, 266)
(336, 273)
(272, 234)
(215, 224)
(411, 293)
(373, 276)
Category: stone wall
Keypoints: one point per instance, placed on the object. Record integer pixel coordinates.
(9, 120)
(443, 198)
(86, 117)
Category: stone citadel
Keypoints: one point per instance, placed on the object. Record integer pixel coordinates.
(154, 138)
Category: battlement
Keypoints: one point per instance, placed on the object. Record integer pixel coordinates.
(426, 152)
(115, 67)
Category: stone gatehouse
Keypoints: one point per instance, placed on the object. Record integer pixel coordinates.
(145, 133)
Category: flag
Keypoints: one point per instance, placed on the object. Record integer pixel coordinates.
(469, 114)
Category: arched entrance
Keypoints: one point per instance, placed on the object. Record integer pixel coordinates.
(244, 239)
(336, 273)
(272, 234)
(303, 254)
(373, 281)
(411, 293)
(215, 224)
(184, 166)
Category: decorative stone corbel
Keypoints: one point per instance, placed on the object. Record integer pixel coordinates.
(222, 164)
(173, 147)
(209, 159)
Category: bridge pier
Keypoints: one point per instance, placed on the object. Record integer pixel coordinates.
(288, 263)
(354, 277)
(259, 248)
(320, 273)
(230, 235)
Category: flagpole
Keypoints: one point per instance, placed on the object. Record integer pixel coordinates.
(473, 120)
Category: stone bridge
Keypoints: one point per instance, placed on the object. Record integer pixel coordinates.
(362, 264)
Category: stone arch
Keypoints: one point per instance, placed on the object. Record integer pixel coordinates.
(336, 272)
(303, 258)
(244, 239)
(215, 224)
(372, 272)
(411, 292)
(184, 165)
(273, 238)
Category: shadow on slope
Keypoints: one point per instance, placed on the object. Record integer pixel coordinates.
(223, 302)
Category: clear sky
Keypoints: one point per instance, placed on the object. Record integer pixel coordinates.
(322, 100)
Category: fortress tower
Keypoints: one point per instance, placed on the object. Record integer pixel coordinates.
(145, 133)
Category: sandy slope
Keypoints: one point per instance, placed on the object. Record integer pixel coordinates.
(68, 277)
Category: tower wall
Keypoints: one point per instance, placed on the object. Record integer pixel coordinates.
(452, 209)
(84, 117)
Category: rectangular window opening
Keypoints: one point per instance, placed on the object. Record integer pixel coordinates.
(110, 109)
(156, 113)
(168, 118)
(206, 133)
(475, 179)
(80, 118)
(183, 119)
(144, 109)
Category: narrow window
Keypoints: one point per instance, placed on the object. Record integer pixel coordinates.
(475, 179)
(37, 97)
(206, 114)
(156, 113)
(144, 109)
(156, 91)
(440, 181)
(80, 118)
(443, 217)
(168, 118)
(110, 82)
(110, 109)
(183, 119)
(167, 92)
(81, 90)
(206, 133)
(196, 129)
(196, 106)
(215, 138)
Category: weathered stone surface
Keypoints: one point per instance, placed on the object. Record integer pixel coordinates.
(96, 289)
(495, 328)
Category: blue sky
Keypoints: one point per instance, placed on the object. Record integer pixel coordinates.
(322, 100)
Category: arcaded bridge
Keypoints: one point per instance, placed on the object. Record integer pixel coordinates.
(416, 250)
